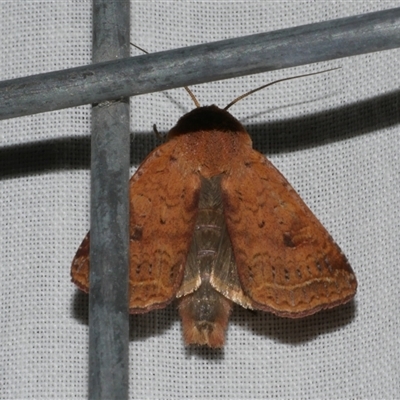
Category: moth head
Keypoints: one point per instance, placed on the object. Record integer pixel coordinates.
(206, 119)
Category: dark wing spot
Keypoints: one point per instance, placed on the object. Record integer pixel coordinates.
(137, 233)
(287, 240)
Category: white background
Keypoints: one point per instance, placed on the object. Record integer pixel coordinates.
(336, 138)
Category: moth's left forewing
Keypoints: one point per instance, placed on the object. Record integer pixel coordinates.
(163, 207)
(80, 265)
(287, 262)
(164, 195)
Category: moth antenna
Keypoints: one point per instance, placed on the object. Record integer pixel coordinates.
(158, 134)
(192, 96)
(272, 83)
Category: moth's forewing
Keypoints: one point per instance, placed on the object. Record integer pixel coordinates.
(80, 265)
(163, 208)
(287, 262)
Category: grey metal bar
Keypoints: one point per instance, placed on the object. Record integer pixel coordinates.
(109, 243)
(203, 63)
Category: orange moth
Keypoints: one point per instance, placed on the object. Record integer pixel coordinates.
(212, 223)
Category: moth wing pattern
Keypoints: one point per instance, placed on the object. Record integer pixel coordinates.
(287, 262)
(163, 197)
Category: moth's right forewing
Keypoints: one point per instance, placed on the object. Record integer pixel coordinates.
(164, 195)
(287, 262)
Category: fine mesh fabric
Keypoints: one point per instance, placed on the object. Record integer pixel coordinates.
(336, 138)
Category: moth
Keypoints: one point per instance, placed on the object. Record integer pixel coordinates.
(212, 223)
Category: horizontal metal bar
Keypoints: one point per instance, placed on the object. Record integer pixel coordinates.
(202, 63)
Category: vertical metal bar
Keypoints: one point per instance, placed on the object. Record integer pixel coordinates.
(108, 298)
